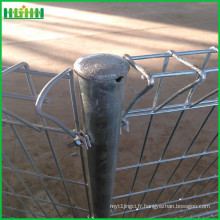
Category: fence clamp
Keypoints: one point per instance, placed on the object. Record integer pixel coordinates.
(125, 124)
(81, 139)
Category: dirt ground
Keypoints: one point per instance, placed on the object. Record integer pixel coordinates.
(71, 30)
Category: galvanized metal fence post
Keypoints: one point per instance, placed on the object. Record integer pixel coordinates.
(102, 85)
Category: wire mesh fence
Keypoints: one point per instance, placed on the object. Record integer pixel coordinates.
(167, 159)
(46, 200)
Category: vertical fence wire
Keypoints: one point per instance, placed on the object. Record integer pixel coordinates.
(74, 107)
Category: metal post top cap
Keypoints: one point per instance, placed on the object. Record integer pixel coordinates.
(101, 67)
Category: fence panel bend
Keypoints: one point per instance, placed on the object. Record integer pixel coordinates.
(61, 162)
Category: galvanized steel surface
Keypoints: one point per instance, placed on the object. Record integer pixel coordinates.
(102, 84)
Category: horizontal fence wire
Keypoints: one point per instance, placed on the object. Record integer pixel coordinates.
(15, 203)
(42, 175)
(43, 201)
